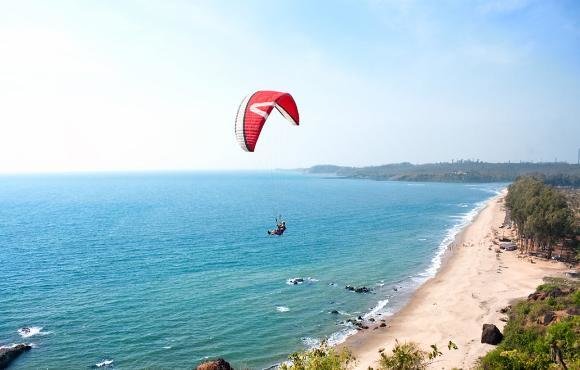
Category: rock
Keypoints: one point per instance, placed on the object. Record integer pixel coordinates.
(395, 289)
(7, 355)
(334, 312)
(504, 319)
(296, 281)
(537, 296)
(383, 325)
(372, 320)
(362, 289)
(219, 364)
(506, 309)
(490, 334)
(547, 318)
(556, 292)
(574, 311)
(540, 296)
(359, 318)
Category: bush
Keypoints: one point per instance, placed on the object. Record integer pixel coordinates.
(576, 298)
(407, 356)
(564, 335)
(321, 358)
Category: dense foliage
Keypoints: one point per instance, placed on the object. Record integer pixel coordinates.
(406, 356)
(409, 356)
(543, 332)
(322, 358)
(559, 174)
(540, 213)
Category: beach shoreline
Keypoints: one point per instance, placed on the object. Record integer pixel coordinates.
(471, 285)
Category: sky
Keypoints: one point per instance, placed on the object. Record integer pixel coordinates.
(116, 85)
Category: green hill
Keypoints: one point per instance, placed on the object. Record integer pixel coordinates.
(556, 173)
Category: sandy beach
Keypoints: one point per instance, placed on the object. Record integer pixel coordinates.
(471, 287)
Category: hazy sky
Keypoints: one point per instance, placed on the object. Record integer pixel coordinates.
(136, 85)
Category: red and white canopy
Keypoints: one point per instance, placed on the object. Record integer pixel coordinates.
(254, 111)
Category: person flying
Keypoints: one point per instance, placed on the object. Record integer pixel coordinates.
(280, 228)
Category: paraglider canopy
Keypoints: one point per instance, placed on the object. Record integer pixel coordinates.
(254, 111)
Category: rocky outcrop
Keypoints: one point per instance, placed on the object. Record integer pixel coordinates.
(547, 318)
(362, 289)
(358, 323)
(219, 364)
(573, 311)
(7, 355)
(491, 334)
(540, 296)
(295, 281)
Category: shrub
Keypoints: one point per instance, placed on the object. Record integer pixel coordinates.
(322, 358)
(407, 356)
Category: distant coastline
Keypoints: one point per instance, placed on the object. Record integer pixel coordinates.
(554, 173)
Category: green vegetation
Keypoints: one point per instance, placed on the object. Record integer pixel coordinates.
(409, 356)
(541, 215)
(321, 358)
(543, 332)
(559, 174)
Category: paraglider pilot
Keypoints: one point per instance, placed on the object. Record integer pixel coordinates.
(280, 228)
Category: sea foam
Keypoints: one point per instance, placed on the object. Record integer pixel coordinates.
(31, 331)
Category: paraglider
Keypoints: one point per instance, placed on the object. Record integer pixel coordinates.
(251, 118)
(254, 111)
(280, 227)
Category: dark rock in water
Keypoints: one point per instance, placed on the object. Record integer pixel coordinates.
(395, 289)
(362, 289)
(383, 325)
(491, 334)
(7, 355)
(360, 318)
(219, 364)
(296, 281)
(372, 320)
(547, 318)
(334, 312)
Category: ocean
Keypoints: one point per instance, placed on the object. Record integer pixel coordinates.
(164, 270)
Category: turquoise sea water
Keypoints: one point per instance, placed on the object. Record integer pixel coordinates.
(165, 270)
